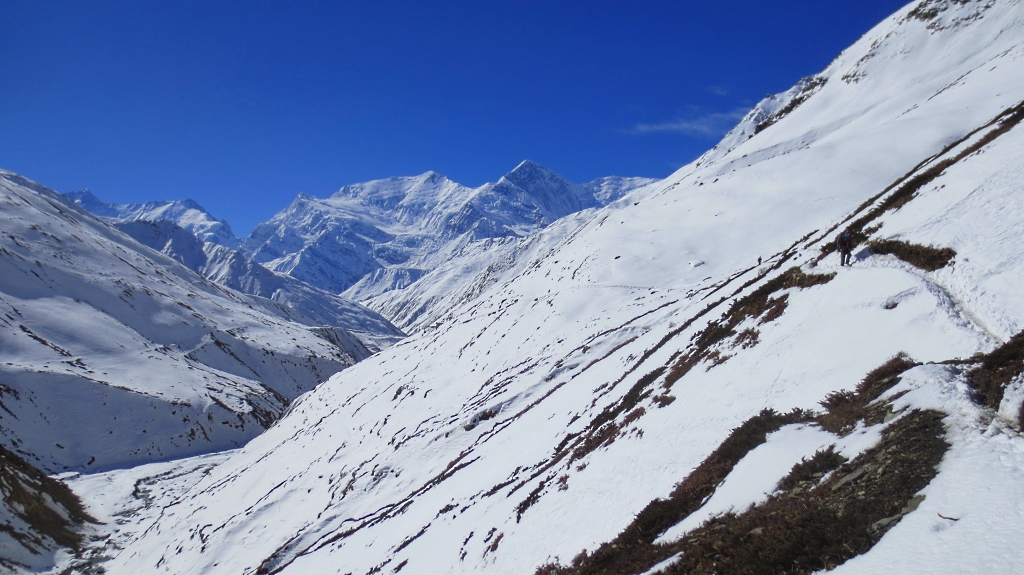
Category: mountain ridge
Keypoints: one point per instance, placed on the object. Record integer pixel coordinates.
(403, 222)
(186, 213)
(358, 239)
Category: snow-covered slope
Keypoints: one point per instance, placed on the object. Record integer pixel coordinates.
(186, 213)
(467, 272)
(470, 267)
(112, 354)
(231, 268)
(377, 236)
(576, 400)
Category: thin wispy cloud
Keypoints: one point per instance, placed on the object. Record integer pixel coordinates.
(710, 124)
(717, 90)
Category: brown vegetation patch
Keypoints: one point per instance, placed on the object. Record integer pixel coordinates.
(807, 527)
(530, 500)
(924, 257)
(806, 531)
(747, 338)
(844, 408)
(759, 304)
(46, 505)
(603, 429)
(663, 400)
(998, 368)
(811, 470)
(632, 550)
(814, 522)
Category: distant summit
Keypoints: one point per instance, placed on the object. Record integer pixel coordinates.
(186, 213)
(367, 238)
(385, 234)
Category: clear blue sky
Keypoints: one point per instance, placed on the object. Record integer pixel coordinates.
(241, 105)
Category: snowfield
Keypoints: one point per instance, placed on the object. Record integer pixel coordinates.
(571, 385)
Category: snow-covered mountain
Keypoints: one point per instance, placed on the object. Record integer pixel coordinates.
(188, 214)
(231, 268)
(373, 237)
(685, 381)
(468, 271)
(373, 241)
(112, 354)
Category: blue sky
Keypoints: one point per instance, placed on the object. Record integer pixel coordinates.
(241, 105)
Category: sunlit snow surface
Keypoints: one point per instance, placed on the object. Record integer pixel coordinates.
(186, 213)
(417, 458)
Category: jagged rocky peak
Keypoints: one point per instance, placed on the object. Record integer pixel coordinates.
(558, 197)
(554, 195)
(534, 177)
(92, 204)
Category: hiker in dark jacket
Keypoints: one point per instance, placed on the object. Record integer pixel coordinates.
(845, 245)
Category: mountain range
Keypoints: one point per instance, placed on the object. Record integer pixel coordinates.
(372, 238)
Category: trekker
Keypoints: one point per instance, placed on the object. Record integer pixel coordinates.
(845, 245)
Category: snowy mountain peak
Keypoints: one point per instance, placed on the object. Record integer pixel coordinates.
(553, 194)
(387, 233)
(186, 213)
(92, 204)
(404, 198)
(528, 174)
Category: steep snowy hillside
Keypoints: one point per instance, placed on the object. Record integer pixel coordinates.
(377, 236)
(186, 213)
(112, 354)
(646, 391)
(231, 268)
